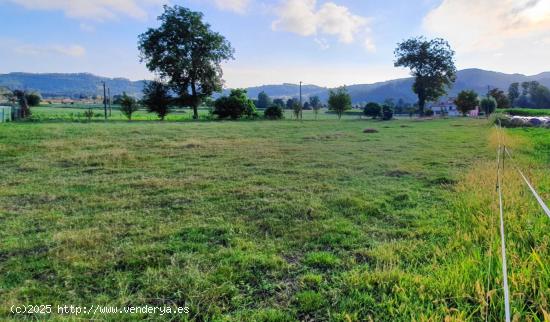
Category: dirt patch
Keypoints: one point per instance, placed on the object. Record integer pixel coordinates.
(370, 131)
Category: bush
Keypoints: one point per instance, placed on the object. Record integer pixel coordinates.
(88, 114)
(372, 110)
(273, 112)
(488, 105)
(128, 106)
(387, 113)
(33, 99)
(235, 106)
(428, 113)
(157, 99)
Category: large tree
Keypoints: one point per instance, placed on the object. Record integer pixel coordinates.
(431, 63)
(186, 53)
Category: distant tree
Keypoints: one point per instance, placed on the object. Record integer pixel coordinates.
(372, 109)
(387, 112)
(157, 99)
(235, 106)
(307, 106)
(264, 101)
(339, 101)
(21, 98)
(539, 95)
(488, 105)
(400, 106)
(33, 99)
(525, 88)
(296, 109)
(500, 97)
(513, 93)
(186, 53)
(290, 103)
(128, 106)
(274, 112)
(315, 103)
(279, 102)
(432, 65)
(466, 101)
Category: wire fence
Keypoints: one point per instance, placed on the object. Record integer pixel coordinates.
(502, 153)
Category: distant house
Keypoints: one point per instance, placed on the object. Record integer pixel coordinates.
(444, 107)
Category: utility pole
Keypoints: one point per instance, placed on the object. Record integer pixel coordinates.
(301, 106)
(109, 94)
(105, 100)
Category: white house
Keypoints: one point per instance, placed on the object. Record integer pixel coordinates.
(445, 107)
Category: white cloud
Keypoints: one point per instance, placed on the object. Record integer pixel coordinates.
(305, 19)
(64, 50)
(93, 9)
(238, 6)
(473, 25)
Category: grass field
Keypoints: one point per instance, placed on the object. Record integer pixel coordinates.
(272, 220)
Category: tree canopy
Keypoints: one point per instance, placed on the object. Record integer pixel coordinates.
(157, 99)
(500, 97)
(488, 105)
(431, 63)
(466, 101)
(372, 109)
(264, 101)
(339, 101)
(234, 106)
(128, 106)
(186, 53)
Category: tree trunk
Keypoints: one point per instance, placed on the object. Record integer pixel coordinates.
(194, 101)
(421, 104)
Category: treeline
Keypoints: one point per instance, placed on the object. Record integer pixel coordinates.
(529, 95)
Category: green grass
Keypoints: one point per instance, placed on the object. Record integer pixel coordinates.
(270, 220)
(527, 112)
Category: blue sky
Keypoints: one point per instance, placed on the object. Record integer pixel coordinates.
(329, 43)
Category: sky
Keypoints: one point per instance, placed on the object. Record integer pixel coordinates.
(327, 43)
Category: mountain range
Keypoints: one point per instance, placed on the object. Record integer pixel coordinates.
(84, 84)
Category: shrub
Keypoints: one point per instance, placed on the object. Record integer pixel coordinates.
(128, 106)
(157, 99)
(387, 113)
(235, 106)
(428, 113)
(488, 105)
(339, 101)
(88, 114)
(33, 99)
(372, 110)
(273, 112)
